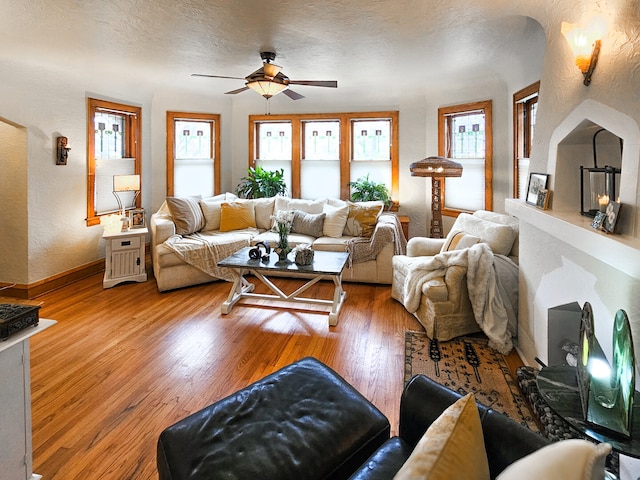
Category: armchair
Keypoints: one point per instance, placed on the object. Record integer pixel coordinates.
(445, 308)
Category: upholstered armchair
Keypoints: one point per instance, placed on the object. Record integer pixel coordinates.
(432, 279)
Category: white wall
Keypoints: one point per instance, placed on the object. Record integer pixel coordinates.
(554, 272)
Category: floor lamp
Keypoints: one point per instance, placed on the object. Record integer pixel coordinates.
(437, 168)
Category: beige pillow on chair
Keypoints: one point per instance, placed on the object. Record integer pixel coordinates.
(451, 448)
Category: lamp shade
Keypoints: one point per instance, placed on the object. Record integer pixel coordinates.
(126, 183)
(435, 167)
(266, 88)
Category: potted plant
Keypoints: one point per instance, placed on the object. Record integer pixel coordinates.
(365, 190)
(260, 183)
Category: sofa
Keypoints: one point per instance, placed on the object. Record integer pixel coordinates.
(305, 421)
(189, 235)
(442, 301)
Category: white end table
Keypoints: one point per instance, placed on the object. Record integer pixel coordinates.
(124, 258)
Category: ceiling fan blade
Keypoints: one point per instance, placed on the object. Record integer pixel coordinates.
(292, 95)
(215, 76)
(239, 90)
(315, 83)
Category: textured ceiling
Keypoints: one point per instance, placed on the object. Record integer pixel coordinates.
(360, 43)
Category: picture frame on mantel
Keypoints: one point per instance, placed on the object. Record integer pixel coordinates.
(611, 217)
(537, 182)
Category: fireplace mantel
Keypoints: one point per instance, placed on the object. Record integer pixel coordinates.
(619, 251)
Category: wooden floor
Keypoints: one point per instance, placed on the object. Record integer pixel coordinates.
(124, 363)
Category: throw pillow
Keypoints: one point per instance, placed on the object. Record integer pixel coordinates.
(452, 447)
(335, 220)
(362, 219)
(186, 214)
(499, 237)
(566, 460)
(308, 206)
(457, 240)
(308, 223)
(211, 211)
(236, 216)
(263, 208)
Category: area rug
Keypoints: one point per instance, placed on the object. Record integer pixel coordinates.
(468, 364)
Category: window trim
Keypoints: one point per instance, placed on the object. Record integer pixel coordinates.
(170, 133)
(133, 145)
(521, 133)
(345, 148)
(443, 113)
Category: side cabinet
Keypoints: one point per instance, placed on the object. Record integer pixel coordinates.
(16, 462)
(124, 257)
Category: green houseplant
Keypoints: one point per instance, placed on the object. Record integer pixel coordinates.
(260, 183)
(365, 190)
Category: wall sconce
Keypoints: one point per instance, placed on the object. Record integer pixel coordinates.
(62, 151)
(437, 168)
(585, 43)
(125, 183)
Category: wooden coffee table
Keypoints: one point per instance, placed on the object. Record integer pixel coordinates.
(325, 266)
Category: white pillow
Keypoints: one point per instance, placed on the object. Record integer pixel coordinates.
(565, 460)
(335, 220)
(457, 240)
(211, 210)
(499, 237)
(263, 208)
(307, 206)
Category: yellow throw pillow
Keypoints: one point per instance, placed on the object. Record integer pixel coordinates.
(236, 216)
(452, 447)
(565, 460)
(362, 219)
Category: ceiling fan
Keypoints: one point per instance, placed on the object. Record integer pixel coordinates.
(268, 80)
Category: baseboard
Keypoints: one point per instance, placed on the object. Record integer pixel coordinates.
(33, 290)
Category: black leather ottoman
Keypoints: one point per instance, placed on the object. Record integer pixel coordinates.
(301, 422)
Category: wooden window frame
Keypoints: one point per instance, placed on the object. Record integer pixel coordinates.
(345, 149)
(215, 148)
(443, 113)
(522, 128)
(133, 146)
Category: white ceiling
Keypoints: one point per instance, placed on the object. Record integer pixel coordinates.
(362, 44)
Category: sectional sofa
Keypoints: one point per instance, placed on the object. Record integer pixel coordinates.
(189, 235)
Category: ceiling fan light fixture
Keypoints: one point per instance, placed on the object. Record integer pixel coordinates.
(271, 70)
(266, 88)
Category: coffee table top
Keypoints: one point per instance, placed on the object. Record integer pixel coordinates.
(324, 263)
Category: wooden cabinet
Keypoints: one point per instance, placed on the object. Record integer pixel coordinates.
(124, 258)
(16, 462)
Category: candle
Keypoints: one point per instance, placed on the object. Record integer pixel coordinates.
(603, 201)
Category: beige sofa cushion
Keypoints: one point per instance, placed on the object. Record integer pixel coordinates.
(499, 237)
(263, 208)
(211, 211)
(308, 206)
(186, 214)
(335, 220)
(308, 223)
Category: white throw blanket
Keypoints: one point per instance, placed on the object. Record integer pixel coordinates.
(492, 282)
(204, 251)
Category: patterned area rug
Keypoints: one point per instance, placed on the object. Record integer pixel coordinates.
(466, 365)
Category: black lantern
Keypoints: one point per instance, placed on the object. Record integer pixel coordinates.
(598, 185)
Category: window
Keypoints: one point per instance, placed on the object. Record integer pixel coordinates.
(193, 154)
(464, 135)
(321, 153)
(113, 148)
(525, 105)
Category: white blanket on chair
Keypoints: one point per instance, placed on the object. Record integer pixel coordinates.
(492, 282)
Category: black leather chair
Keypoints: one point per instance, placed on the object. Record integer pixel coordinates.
(306, 422)
(423, 401)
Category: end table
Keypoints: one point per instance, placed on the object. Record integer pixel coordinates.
(124, 257)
